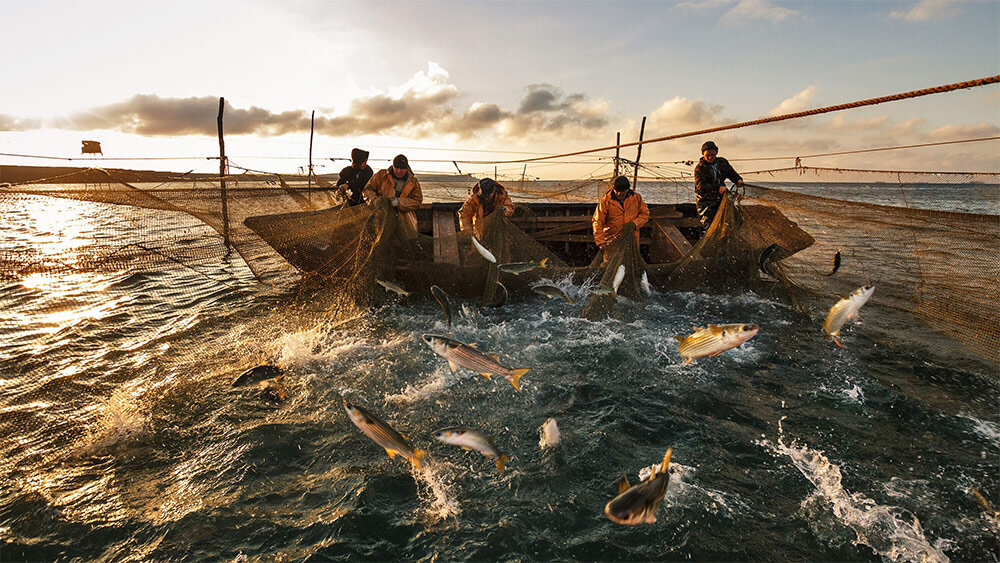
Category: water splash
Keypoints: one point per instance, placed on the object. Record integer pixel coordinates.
(435, 480)
(122, 419)
(892, 532)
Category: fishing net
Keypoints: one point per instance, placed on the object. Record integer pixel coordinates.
(778, 237)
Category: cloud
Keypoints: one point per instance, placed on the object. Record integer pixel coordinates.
(957, 131)
(842, 124)
(546, 109)
(798, 102)
(746, 10)
(927, 10)
(11, 123)
(911, 126)
(704, 4)
(680, 113)
(426, 104)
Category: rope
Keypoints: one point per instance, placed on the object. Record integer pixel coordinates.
(796, 115)
(869, 171)
(859, 151)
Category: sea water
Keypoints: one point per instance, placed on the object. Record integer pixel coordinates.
(122, 438)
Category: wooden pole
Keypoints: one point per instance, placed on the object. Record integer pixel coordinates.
(312, 126)
(638, 152)
(222, 178)
(618, 149)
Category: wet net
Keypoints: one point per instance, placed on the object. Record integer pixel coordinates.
(778, 237)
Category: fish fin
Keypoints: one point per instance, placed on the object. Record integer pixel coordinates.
(466, 448)
(688, 361)
(679, 338)
(453, 366)
(516, 375)
(501, 461)
(280, 387)
(666, 462)
(543, 263)
(697, 328)
(570, 301)
(495, 357)
(392, 453)
(836, 340)
(486, 375)
(712, 327)
(405, 437)
(417, 456)
(623, 485)
(474, 344)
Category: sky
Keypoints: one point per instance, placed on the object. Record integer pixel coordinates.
(474, 82)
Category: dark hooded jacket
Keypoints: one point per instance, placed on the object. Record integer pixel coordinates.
(708, 178)
(356, 179)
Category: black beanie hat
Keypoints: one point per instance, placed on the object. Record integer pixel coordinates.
(487, 185)
(709, 145)
(358, 156)
(621, 183)
(400, 162)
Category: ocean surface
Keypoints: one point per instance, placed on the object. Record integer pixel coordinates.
(121, 437)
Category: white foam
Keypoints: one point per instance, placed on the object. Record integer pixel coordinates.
(986, 429)
(440, 379)
(892, 532)
(121, 420)
(434, 479)
(854, 394)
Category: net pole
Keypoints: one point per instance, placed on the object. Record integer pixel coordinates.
(222, 178)
(618, 150)
(312, 127)
(638, 153)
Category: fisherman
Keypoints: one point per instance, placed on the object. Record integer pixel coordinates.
(709, 182)
(486, 196)
(355, 177)
(619, 206)
(403, 190)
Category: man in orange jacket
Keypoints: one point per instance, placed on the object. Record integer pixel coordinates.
(486, 196)
(403, 190)
(619, 206)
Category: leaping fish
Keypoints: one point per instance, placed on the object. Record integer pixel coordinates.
(551, 291)
(483, 252)
(846, 309)
(619, 276)
(549, 435)
(518, 268)
(269, 379)
(639, 504)
(442, 298)
(644, 282)
(714, 340)
(389, 286)
(836, 264)
(463, 355)
(469, 439)
(383, 434)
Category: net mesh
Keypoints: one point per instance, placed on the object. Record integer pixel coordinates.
(929, 244)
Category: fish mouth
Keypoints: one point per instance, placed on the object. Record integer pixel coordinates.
(751, 328)
(868, 287)
(429, 338)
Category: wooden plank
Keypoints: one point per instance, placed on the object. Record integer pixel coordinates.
(445, 243)
(550, 234)
(586, 238)
(545, 219)
(668, 244)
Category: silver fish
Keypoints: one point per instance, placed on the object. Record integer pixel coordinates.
(469, 439)
(389, 286)
(466, 356)
(846, 309)
(442, 298)
(714, 340)
(549, 435)
(383, 434)
(551, 291)
(601, 290)
(639, 504)
(644, 282)
(483, 252)
(518, 268)
(258, 374)
(619, 276)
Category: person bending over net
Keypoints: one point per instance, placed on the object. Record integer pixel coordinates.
(355, 177)
(401, 187)
(486, 196)
(710, 177)
(619, 206)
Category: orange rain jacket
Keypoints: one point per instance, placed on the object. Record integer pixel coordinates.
(472, 212)
(611, 216)
(383, 184)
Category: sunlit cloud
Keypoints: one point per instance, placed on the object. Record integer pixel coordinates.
(762, 10)
(798, 102)
(680, 113)
(927, 10)
(11, 123)
(960, 131)
(844, 124)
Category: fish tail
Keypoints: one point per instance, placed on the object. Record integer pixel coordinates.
(516, 375)
(543, 263)
(501, 461)
(417, 456)
(484, 374)
(666, 461)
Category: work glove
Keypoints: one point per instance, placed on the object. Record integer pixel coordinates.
(394, 201)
